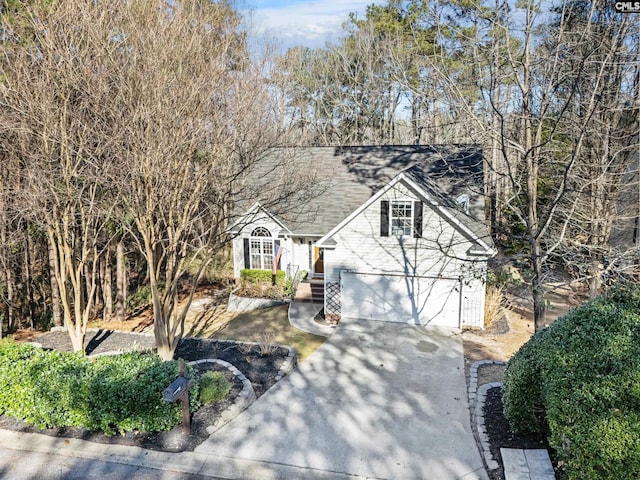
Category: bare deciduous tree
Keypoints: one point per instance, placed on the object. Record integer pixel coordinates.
(539, 114)
(190, 114)
(53, 92)
(144, 114)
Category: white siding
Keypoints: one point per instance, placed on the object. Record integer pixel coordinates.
(441, 252)
(238, 242)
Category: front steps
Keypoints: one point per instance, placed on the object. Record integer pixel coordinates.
(310, 291)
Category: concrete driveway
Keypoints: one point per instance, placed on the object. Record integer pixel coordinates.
(378, 400)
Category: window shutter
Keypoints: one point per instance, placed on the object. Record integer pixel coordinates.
(247, 260)
(417, 220)
(384, 218)
(276, 244)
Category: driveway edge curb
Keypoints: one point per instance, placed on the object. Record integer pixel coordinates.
(477, 397)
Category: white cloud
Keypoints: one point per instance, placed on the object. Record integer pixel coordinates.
(308, 23)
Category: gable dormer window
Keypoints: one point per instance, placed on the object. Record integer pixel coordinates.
(463, 201)
(401, 218)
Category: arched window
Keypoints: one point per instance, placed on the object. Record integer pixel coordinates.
(261, 249)
(261, 232)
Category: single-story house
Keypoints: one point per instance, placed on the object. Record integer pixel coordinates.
(394, 233)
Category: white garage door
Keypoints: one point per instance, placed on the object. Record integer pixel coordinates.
(398, 298)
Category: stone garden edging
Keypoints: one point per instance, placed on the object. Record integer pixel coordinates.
(477, 397)
(245, 398)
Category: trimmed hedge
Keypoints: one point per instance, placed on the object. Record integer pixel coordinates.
(115, 394)
(258, 284)
(578, 381)
(261, 276)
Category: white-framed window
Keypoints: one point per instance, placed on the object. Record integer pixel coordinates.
(261, 249)
(401, 218)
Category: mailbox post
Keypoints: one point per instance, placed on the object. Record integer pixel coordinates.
(179, 390)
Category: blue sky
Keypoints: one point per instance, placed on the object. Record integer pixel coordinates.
(302, 22)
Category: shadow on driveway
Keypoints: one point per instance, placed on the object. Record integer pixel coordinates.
(378, 399)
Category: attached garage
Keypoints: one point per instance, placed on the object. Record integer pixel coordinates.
(401, 298)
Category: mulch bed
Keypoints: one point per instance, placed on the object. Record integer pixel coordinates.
(501, 436)
(259, 364)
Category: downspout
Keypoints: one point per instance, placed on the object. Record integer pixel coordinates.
(460, 304)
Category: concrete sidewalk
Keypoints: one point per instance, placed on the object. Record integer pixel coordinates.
(301, 316)
(27, 465)
(32, 456)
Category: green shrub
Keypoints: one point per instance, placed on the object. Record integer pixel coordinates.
(522, 392)
(140, 298)
(58, 382)
(20, 365)
(258, 283)
(507, 277)
(127, 394)
(214, 387)
(261, 276)
(579, 381)
(116, 393)
(288, 287)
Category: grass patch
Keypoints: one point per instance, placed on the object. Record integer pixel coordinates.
(251, 326)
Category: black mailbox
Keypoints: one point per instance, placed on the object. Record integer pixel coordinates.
(174, 391)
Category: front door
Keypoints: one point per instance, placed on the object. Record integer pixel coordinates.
(318, 260)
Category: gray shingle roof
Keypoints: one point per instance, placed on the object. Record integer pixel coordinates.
(312, 189)
(430, 186)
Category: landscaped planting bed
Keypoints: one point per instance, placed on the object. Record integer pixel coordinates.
(118, 398)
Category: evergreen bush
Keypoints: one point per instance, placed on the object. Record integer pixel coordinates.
(578, 381)
(259, 284)
(115, 393)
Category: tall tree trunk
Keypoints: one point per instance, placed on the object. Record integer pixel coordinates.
(27, 277)
(106, 279)
(89, 282)
(595, 277)
(537, 287)
(416, 123)
(496, 173)
(164, 335)
(2, 303)
(532, 158)
(55, 292)
(11, 286)
(8, 275)
(121, 282)
(435, 138)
